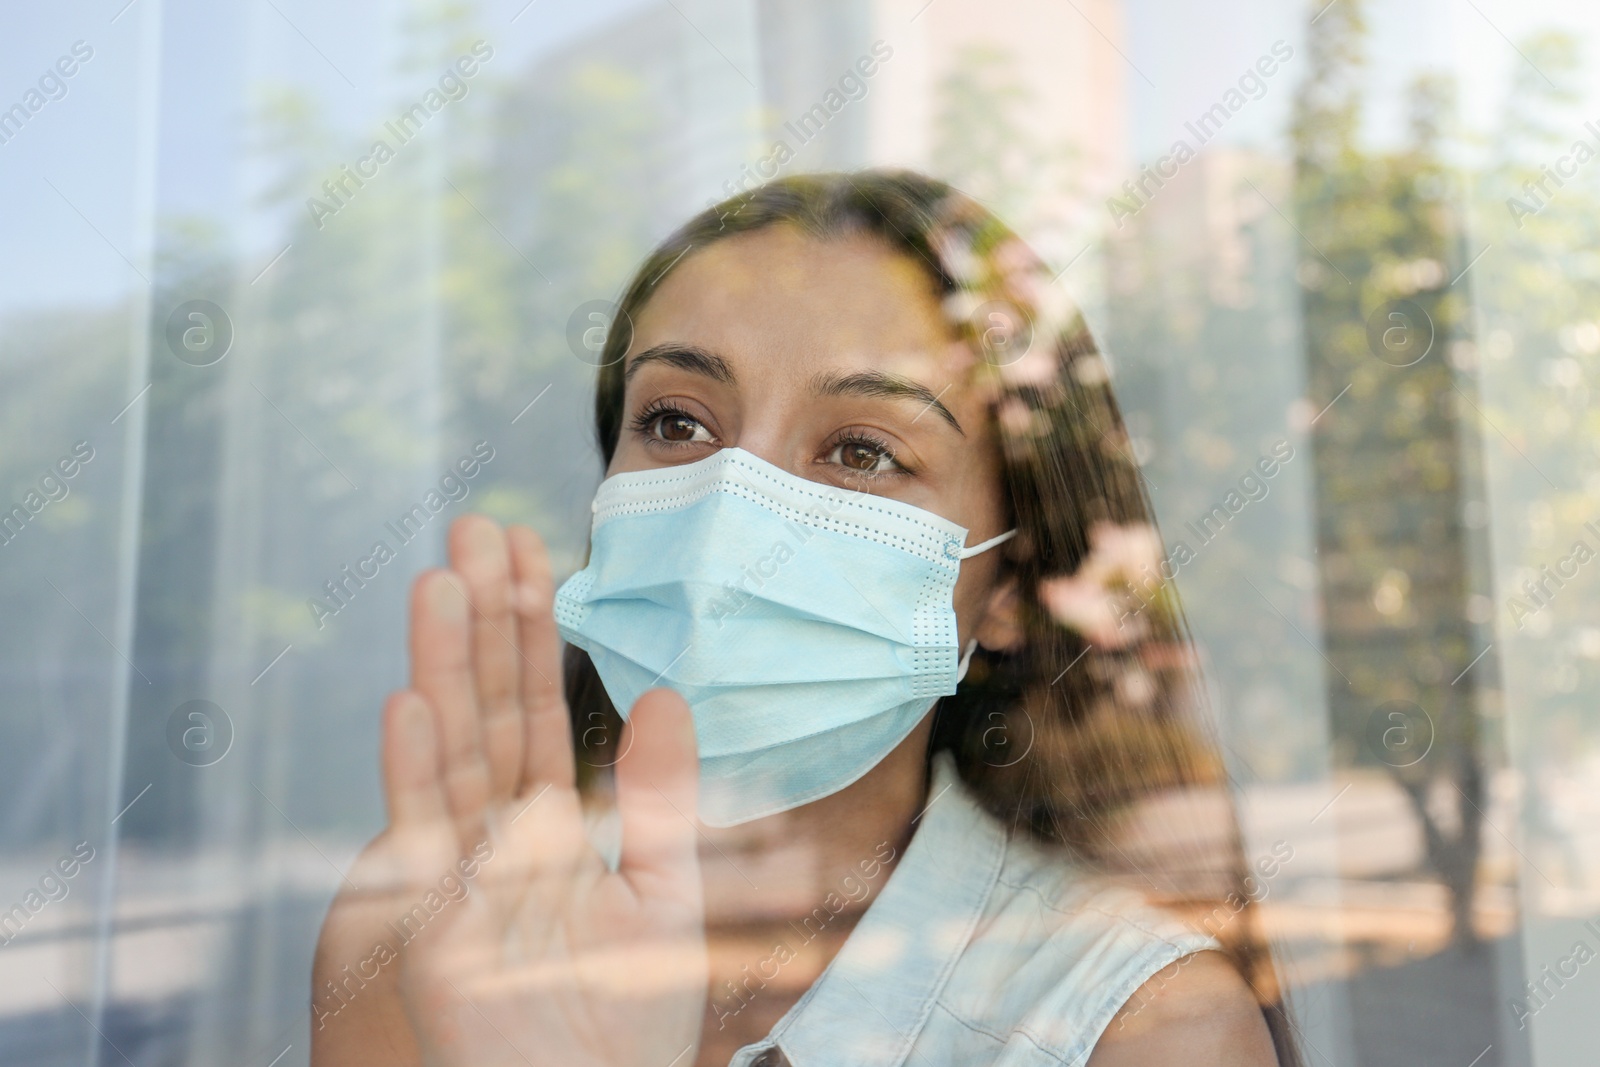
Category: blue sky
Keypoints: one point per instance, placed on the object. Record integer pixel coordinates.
(179, 77)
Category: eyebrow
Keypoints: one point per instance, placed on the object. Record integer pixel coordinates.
(872, 383)
(877, 383)
(684, 357)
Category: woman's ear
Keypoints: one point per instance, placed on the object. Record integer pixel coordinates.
(1000, 628)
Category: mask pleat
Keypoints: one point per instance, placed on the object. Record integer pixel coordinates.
(808, 628)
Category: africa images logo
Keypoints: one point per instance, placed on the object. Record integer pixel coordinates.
(403, 128)
(1252, 85)
(809, 124)
(454, 487)
(52, 86)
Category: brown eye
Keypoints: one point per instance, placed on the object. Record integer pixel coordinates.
(865, 455)
(675, 428)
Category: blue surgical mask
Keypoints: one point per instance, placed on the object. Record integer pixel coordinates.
(810, 628)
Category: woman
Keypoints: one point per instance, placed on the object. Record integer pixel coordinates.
(874, 576)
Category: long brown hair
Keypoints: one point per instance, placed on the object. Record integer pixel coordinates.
(1067, 736)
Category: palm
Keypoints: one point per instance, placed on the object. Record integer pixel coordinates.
(534, 952)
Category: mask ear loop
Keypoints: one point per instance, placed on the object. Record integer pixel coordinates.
(966, 659)
(986, 545)
(967, 553)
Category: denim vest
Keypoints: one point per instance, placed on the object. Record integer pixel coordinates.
(982, 947)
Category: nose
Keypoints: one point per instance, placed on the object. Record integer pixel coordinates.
(772, 442)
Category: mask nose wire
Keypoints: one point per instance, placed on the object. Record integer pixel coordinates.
(986, 545)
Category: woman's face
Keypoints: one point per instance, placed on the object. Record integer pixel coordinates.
(830, 359)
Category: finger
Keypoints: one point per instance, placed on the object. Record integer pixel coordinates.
(657, 789)
(413, 782)
(479, 554)
(547, 746)
(421, 841)
(441, 671)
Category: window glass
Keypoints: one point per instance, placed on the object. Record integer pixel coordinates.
(287, 288)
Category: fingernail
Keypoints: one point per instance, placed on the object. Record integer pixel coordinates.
(529, 600)
(448, 600)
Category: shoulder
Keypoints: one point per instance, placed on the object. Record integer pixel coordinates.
(1196, 1012)
(1074, 949)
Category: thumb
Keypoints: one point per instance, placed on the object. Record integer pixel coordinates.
(657, 797)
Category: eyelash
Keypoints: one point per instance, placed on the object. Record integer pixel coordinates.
(878, 444)
(653, 412)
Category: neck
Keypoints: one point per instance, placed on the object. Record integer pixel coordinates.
(783, 893)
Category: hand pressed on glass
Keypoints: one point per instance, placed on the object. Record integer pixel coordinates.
(548, 957)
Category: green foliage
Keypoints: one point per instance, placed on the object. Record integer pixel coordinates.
(984, 145)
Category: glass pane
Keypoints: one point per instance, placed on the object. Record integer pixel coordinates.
(289, 288)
